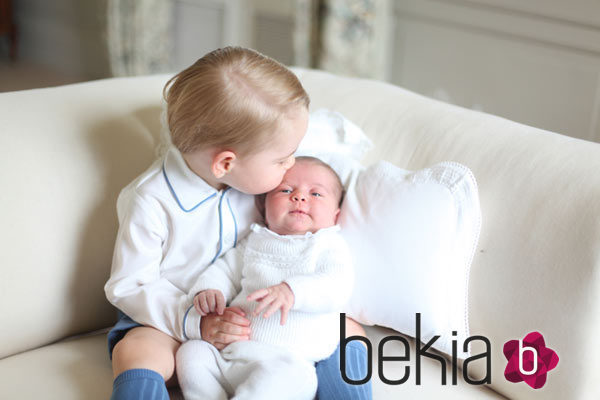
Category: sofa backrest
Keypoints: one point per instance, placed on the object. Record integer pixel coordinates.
(66, 153)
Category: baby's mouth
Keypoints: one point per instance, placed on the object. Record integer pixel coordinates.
(298, 212)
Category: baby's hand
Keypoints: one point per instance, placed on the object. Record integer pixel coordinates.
(208, 301)
(278, 297)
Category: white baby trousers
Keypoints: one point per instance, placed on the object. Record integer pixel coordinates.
(245, 370)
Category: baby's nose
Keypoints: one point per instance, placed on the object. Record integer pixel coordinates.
(298, 197)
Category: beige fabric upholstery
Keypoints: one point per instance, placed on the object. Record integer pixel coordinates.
(537, 266)
(67, 152)
(75, 369)
(80, 369)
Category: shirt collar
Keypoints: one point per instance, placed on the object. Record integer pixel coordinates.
(188, 189)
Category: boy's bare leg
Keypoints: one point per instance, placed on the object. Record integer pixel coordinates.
(147, 348)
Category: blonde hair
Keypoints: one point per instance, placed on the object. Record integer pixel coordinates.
(231, 98)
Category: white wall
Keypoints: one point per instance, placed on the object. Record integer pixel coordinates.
(273, 29)
(533, 61)
(66, 35)
(70, 35)
(203, 25)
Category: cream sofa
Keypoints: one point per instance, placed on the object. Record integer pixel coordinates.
(69, 150)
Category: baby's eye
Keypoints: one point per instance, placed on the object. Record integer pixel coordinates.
(285, 191)
(316, 194)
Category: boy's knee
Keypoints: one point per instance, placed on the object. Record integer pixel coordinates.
(145, 352)
(353, 328)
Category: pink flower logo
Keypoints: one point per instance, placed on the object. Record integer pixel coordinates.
(529, 360)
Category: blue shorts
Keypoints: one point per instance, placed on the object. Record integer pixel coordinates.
(123, 325)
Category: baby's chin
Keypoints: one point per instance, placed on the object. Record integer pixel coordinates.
(291, 231)
(295, 229)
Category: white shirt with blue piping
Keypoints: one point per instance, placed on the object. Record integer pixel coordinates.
(172, 226)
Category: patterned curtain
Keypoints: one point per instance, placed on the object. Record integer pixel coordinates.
(139, 36)
(339, 36)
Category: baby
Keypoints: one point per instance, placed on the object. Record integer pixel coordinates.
(298, 267)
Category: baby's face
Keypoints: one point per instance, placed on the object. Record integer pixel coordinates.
(305, 201)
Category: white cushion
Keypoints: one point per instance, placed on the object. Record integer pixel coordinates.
(413, 235)
(335, 140)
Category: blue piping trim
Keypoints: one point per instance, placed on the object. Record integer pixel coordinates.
(234, 223)
(184, 320)
(220, 226)
(177, 198)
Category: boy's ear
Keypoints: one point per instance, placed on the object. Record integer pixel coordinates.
(222, 163)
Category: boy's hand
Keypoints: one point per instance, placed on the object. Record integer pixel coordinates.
(222, 330)
(209, 301)
(278, 297)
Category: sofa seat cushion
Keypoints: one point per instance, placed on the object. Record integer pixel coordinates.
(71, 369)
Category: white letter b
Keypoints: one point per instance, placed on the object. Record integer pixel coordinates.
(535, 357)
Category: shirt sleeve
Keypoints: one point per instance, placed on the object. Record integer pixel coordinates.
(330, 287)
(225, 274)
(136, 286)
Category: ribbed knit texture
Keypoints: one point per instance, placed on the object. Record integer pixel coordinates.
(318, 269)
(142, 384)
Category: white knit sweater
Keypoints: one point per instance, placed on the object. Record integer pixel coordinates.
(318, 269)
